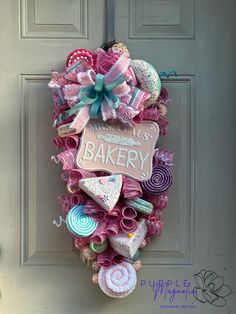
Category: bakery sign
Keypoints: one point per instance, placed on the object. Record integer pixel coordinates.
(116, 148)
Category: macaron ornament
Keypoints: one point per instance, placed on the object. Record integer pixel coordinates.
(109, 113)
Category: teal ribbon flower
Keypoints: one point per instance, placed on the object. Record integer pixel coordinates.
(96, 94)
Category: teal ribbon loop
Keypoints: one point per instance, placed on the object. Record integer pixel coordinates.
(95, 94)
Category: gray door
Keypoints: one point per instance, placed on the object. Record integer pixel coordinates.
(39, 271)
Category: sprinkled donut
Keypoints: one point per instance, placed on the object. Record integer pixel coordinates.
(148, 79)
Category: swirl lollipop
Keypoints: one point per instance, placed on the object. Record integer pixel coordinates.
(118, 280)
(79, 223)
(160, 180)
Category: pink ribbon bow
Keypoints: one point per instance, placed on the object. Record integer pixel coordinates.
(112, 93)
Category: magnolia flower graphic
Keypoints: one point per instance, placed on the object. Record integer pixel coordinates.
(210, 288)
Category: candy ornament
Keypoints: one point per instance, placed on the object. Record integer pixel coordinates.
(160, 181)
(118, 280)
(79, 223)
(140, 205)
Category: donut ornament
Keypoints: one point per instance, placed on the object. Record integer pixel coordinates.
(148, 79)
(109, 114)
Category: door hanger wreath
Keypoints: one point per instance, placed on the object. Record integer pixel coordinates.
(109, 113)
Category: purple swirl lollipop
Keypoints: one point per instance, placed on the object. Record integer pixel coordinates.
(160, 180)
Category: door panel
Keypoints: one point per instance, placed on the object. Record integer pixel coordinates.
(181, 35)
(39, 270)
